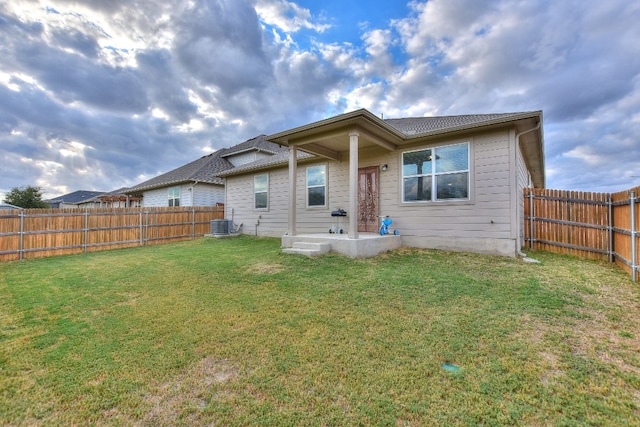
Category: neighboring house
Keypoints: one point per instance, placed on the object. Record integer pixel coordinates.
(197, 183)
(9, 206)
(118, 199)
(452, 183)
(77, 199)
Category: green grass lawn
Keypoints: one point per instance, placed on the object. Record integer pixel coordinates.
(232, 332)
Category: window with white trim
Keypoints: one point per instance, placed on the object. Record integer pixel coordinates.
(316, 186)
(261, 192)
(438, 173)
(174, 196)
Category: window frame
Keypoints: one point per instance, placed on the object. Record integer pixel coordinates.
(434, 174)
(172, 200)
(255, 192)
(325, 186)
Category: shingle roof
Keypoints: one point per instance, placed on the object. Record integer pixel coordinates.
(279, 159)
(7, 206)
(208, 168)
(205, 169)
(258, 143)
(75, 197)
(420, 125)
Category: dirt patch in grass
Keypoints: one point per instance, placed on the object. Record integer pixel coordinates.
(263, 268)
(181, 397)
(534, 331)
(608, 325)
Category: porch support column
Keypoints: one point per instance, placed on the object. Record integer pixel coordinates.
(353, 185)
(293, 174)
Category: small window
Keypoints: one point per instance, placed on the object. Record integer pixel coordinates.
(261, 191)
(174, 196)
(442, 172)
(316, 185)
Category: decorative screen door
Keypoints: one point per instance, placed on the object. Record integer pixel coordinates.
(368, 199)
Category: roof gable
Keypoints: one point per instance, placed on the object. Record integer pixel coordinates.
(203, 169)
(259, 143)
(208, 168)
(278, 160)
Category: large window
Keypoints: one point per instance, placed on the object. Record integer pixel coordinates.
(439, 173)
(174, 196)
(261, 191)
(316, 185)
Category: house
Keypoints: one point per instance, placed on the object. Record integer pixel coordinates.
(197, 183)
(78, 199)
(453, 183)
(9, 206)
(119, 199)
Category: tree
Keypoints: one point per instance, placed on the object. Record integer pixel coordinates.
(26, 197)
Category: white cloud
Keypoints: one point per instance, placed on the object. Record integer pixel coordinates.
(287, 16)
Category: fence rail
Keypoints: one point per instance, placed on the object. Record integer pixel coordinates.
(36, 233)
(593, 225)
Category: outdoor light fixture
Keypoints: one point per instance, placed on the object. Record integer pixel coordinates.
(385, 167)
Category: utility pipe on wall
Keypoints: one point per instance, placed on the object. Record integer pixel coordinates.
(634, 254)
(515, 162)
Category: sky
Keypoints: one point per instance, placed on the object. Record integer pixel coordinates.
(99, 95)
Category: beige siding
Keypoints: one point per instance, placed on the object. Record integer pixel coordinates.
(319, 220)
(263, 222)
(207, 194)
(190, 195)
(485, 223)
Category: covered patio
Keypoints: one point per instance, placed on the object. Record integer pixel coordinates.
(339, 139)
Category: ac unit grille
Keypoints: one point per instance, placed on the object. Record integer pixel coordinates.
(220, 226)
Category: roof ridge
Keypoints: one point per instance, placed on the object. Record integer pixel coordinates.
(413, 126)
(460, 115)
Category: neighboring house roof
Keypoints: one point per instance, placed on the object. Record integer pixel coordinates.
(76, 197)
(9, 206)
(117, 195)
(208, 168)
(202, 170)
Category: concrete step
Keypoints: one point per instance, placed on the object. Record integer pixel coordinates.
(308, 248)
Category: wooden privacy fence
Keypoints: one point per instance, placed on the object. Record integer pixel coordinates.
(593, 225)
(36, 233)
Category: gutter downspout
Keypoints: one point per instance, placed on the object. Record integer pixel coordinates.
(193, 192)
(515, 154)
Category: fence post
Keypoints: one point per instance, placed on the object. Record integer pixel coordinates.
(634, 255)
(21, 234)
(193, 223)
(86, 230)
(146, 227)
(610, 203)
(140, 222)
(531, 218)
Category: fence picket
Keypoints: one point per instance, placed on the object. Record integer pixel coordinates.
(592, 225)
(33, 233)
